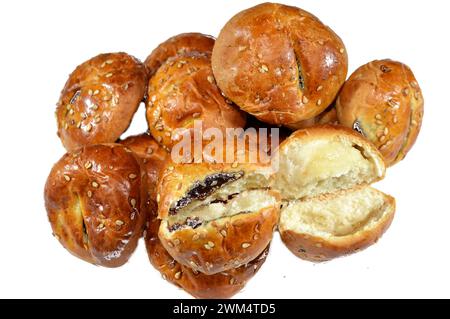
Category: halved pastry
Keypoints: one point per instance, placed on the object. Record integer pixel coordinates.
(328, 209)
(216, 217)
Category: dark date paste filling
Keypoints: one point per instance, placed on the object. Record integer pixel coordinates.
(202, 189)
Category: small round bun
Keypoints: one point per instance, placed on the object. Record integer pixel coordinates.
(99, 100)
(178, 45)
(182, 91)
(216, 217)
(383, 101)
(279, 63)
(94, 203)
(218, 286)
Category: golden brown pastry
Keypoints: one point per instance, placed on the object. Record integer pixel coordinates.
(279, 63)
(153, 158)
(95, 205)
(184, 90)
(221, 285)
(178, 45)
(99, 100)
(328, 209)
(383, 101)
(329, 116)
(216, 217)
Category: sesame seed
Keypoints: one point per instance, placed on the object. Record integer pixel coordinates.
(67, 178)
(109, 61)
(405, 91)
(413, 84)
(234, 165)
(211, 244)
(94, 107)
(246, 245)
(66, 126)
(133, 202)
(378, 117)
(95, 184)
(89, 194)
(177, 241)
(255, 236)
(108, 75)
(101, 226)
(210, 79)
(170, 168)
(96, 92)
(170, 244)
(379, 134)
(68, 107)
(196, 237)
(223, 232)
(386, 131)
(263, 69)
(168, 134)
(106, 98)
(97, 119)
(207, 247)
(319, 88)
(395, 119)
(88, 127)
(149, 150)
(87, 165)
(379, 122)
(305, 99)
(319, 102)
(232, 281)
(125, 86)
(90, 92)
(383, 147)
(178, 275)
(71, 112)
(342, 50)
(132, 176)
(119, 222)
(159, 139)
(319, 245)
(382, 138)
(242, 48)
(416, 95)
(158, 198)
(385, 69)
(193, 264)
(196, 115)
(79, 125)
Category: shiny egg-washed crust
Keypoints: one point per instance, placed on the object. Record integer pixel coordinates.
(383, 101)
(279, 63)
(99, 100)
(221, 285)
(94, 202)
(153, 158)
(319, 249)
(178, 45)
(184, 90)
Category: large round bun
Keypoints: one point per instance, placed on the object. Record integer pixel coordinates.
(383, 101)
(94, 203)
(178, 45)
(99, 100)
(182, 91)
(279, 63)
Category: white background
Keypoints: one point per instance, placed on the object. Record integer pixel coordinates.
(42, 42)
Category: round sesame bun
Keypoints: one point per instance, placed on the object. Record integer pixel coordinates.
(95, 204)
(178, 45)
(279, 63)
(99, 100)
(221, 285)
(182, 91)
(383, 101)
(216, 217)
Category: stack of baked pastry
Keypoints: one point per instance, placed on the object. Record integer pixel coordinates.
(208, 226)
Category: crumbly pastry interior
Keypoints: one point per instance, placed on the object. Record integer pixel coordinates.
(338, 215)
(324, 166)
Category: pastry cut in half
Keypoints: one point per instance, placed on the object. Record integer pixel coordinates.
(329, 209)
(216, 217)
